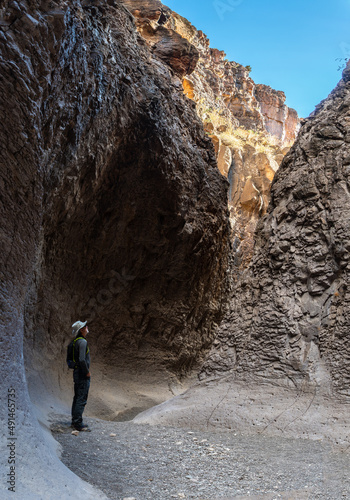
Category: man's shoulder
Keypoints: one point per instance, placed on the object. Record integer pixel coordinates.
(81, 340)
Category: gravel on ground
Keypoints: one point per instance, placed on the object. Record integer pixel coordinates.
(142, 462)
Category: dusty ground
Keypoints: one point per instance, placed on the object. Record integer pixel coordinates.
(143, 462)
(262, 409)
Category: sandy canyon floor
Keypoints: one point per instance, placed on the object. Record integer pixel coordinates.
(127, 460)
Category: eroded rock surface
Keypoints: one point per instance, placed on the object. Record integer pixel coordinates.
(249, 124)
(152, 19)
(279, 120)
(288, 321)
(112, 207)
(280, 363)
(251, 128)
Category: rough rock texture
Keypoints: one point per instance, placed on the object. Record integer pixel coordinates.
(288, 321)
(165, 43)
(280, 363)
(279, 120)
(249, 124)
(112, 207)
(251, 128)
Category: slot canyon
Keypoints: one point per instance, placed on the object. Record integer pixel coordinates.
(150, 187)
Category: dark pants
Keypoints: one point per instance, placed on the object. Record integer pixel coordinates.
(81, 391)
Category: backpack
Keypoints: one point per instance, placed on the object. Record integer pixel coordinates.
(71, 353)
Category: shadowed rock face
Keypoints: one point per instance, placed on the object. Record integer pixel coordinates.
(250, 125)
(112, 205)
(288, 321)
(280, 363)
(133, 199)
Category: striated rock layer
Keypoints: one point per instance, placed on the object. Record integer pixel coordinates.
(250, 125)
(112, 208)
(288, 321)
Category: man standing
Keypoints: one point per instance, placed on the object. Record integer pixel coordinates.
(81, 375)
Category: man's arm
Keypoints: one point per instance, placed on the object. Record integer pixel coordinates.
(82, 343)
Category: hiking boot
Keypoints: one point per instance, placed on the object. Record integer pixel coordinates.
(82, 428)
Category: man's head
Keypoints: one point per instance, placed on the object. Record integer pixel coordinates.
(79, 327)
(84, 331)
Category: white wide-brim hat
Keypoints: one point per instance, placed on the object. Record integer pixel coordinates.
(78, 325)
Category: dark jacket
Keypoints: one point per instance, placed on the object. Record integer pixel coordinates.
(82, 356)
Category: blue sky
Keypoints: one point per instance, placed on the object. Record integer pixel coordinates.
(291, 46)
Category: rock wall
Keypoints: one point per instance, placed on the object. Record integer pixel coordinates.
(280, 363)
(250, 125)
(112, 205)
(251, 128)
(288, 321)
(279, 120)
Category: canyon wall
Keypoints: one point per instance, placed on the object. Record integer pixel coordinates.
(288, 321)
(251, 128)
(280, 363)
(250, 125)
(112, 208)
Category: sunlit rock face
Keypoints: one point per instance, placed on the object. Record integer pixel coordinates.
(172, 48)
(279, 120)
(112, 206)
(251, 128)
(288, 321)
(250, 125)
